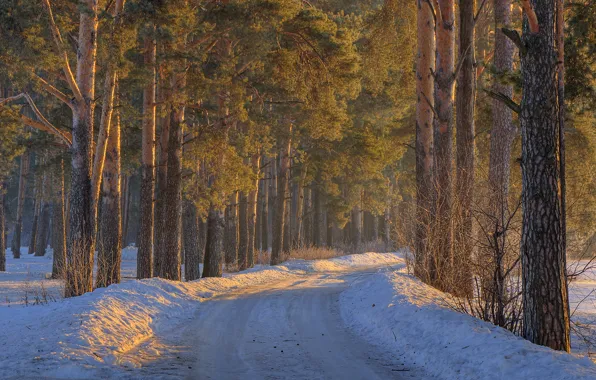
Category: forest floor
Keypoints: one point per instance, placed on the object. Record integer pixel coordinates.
(353, 317)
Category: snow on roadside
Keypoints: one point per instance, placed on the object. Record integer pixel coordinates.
(398, 312)
(84, 336)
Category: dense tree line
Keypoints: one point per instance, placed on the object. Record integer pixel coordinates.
(214, 132)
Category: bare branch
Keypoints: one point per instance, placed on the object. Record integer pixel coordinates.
(479, 11)
(430, 105)
(531, 15)
(62, 51)
(506, 100)
(514, 36)
(53, 90)
(43, 123)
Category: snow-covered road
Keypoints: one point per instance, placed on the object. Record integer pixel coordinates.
(289, 330)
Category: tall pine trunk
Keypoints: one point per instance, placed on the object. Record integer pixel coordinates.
(125, 206)
(16, 237)
(145, 253)
(252, 208)
(231, 231)
(192, 241)
(59, 226)
(545, 297)
(242, 231)
(277, 246)
(356, 226)
(161, 184)
(110, 231)
(43, 230)
(299, 238)
(465, 163)
(265, 209)
(443, 142)
(212, 266)
(307, 216)
(501, 143)
(173, 196)
(317, 213)
(36, 211)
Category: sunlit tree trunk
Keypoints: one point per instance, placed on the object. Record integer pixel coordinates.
(145, 252)
(425, 64)
(465, 161)
(545, 296)
(443, 141)
(110, 232)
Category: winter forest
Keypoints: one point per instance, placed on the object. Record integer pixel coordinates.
(298, 189)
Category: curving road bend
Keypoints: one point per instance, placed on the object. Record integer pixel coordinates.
(287, 330)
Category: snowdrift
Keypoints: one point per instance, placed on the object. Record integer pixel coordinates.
(402, 315)
(85, 336)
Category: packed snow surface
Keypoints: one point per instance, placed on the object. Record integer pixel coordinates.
(162, 329)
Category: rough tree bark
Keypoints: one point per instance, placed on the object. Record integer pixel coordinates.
(192, 242)
(214, 245)
(465, 163)
(161, 182)
(561, 118)
(443, 141)
(81, 231)
(285, 144)
(545, 297)
(173, 195)
(145, 253)
(501, 142)
(106, 121)
(16, 237)
(110, 232)
(59, 226)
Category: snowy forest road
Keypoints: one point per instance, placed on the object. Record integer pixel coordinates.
(288, 330)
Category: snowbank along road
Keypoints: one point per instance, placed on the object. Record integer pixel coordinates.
(288, 330)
